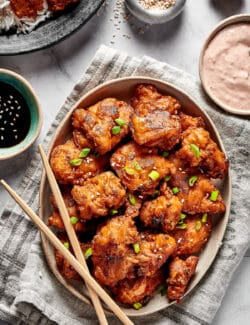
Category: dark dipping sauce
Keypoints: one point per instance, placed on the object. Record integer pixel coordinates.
(14, 116)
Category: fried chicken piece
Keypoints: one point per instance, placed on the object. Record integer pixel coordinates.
(188, 121)
(132, 209)
(136, 290)
(155, 123)
(162, 213)
(98, 194)
(80, 140)
(60, 5)
(67, 172)
(64, 267)
(111, 246)
(55, 220)
(136, 166)
(199, 150)
(195, 234)
(104, 123)
(26, 8)
(180, 273)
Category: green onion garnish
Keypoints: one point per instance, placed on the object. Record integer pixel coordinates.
(162, 289)
(132, 199)
(116, 130)
(183, 216)
(165, 154)
(120, 122)
(76, 162)
(84, 152)
(167, 178)
(204, 218)
(137, 305)
(154, 175)
(74, 220)
(195, 150)
(192, 180)
(137, 166)
(88, 253)
(129, 170)
(136, 248)
(66, 244)
(181, 226)
(175, 190)
(113, 211)
(214, 195)
(197, 225)
(156, 193)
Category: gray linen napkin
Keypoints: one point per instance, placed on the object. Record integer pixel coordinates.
(29, 293)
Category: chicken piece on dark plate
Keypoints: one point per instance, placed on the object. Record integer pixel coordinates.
(140, 169)
(155, 122)
(104, 123)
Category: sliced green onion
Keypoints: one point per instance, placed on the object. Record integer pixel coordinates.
(129, 170)
(183, 216)
(120, 122)
(113, 211)
(137, 166)
(165, 154)
(136, 248)
(162, 289)
(66, 244)
(192, 180)
(137, 305)
(96, 154)
(116, 130)
(154, 175)
(180, 222)
(132, 199)
(84, 152)
(167, 178)
(197, 225)
(156, 193)
(88, 253)
(76, 162)
(175, 190)
(195, 150)
(182, 226)
(214, 195)
(74, 220)
(204, 218)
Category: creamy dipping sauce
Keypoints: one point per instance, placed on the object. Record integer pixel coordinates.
(226, 66)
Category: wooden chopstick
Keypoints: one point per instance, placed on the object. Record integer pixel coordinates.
(67, 255)
(71, 232)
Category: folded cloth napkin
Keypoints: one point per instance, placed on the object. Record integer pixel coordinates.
(29, 293)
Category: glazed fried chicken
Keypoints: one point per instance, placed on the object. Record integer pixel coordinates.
(193, 236)
(140, 169)
(98, 195)
(80, 139)
(180, 273)
(199, 150)
(111, 246)
(162, 213)
(104, 123)
(26, 8)
(59, 5)
(188, 121)
(136, 290)
(69, 168)
(155, 123)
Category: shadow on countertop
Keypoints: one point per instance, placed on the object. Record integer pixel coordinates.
(228, 8)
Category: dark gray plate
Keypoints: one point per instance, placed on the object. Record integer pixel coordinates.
(51, 31)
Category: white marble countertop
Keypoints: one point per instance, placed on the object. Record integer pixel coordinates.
(54, 71)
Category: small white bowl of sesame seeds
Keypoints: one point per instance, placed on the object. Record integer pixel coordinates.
(20, 114)
(155, 11)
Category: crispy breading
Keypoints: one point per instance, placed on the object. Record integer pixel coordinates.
(98, 195)
(80, 139)
(59, 5)
(67, 173)
(155, 123)
(99, 121)
(191, 121)
(130, 291)
(134, 165)
(208, 157)
(180, 273)
(27, 8)
(191, 239)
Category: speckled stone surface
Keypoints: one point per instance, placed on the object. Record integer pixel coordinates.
(54, 71)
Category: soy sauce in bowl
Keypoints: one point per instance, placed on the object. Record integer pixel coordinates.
(14, 116)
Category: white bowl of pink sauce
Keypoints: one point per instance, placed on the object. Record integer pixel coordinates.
(225, 65)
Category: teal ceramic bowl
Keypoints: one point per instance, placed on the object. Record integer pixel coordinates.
(20, 86)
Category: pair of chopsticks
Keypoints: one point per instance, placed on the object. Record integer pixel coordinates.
(78, 263)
